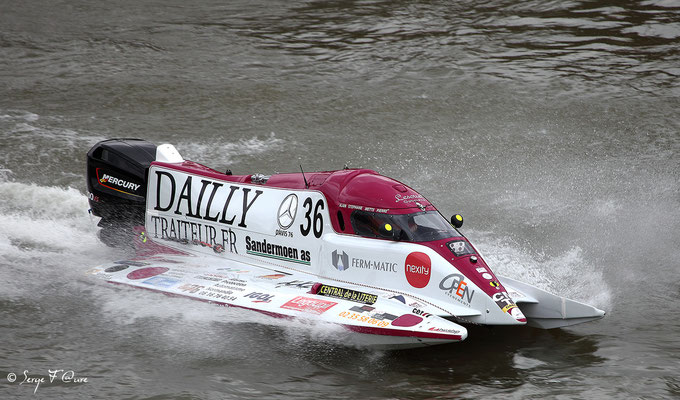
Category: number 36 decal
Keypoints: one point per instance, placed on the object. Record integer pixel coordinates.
(315, 222)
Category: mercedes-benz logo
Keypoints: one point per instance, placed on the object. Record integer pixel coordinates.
(287, 211)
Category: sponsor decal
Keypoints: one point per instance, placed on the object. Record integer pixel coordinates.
(296, 284)
(367, 319)
(92, 197)
(340, 261)
(418, 269)
(234, 270)
(377, 315)
(420, 312)
(218, 293)
(146, 272)
(232, 284)
(455, 287)
(504, 302)
(181, 202)
(259, 297)
(460, 247)
(212, 277)
(176, 273)
(399, 298)
(362, 309)
(196, 233)
(517, 314)
(223, 290)
(346, 294)
(508, 307)
(190, 288)
(407, 320)
(367, 315)
(362, 208)
(117, 184)
(116, 268)
(161, 281)
(486, 274)
(435, 329)
(305, 304)
(407, 199)
(271, 250)
(287, 212)
(272, 276)
(383, 266)
(218, 290)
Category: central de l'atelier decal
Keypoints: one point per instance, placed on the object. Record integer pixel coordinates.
(182, 203)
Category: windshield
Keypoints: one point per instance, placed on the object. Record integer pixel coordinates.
(424, 226)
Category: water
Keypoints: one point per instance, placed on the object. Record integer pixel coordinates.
(552, 126)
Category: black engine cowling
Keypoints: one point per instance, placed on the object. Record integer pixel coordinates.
(116, 180)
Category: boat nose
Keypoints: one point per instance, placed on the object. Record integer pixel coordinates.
(517, 315)
(505, 310)
(512, 315)
(463, 333)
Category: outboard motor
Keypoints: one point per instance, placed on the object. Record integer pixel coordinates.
(116, 180)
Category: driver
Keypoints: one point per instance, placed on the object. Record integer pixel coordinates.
(412, 226)
(412, 230)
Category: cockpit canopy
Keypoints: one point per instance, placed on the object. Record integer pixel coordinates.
(423, 226)
(368, 189)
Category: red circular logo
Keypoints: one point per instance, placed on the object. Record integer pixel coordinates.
(407, 320)
(147, 272)
(417, 269)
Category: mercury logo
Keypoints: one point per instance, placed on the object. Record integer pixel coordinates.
(287, 211)
(417, 269)
(119, 182)
(123, 184)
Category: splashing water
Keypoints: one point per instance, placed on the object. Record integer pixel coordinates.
(567, 274)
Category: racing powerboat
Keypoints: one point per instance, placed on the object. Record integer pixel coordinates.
(349, 247)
